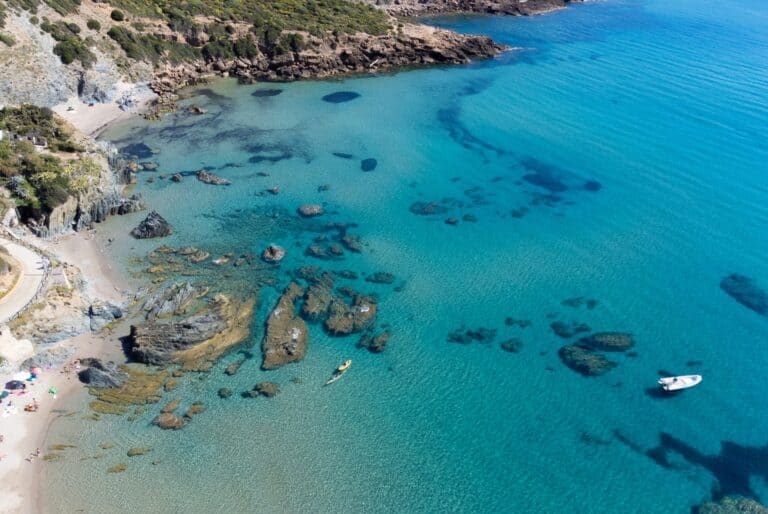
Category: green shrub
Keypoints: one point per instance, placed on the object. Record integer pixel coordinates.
(93, 24)
(73, 27)
(7, 39)
(117, 15)
(34, 20)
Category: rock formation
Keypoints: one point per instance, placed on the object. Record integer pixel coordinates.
(102, 374)
(102, 313)
(608, 342)
(173, 300)
(197, 341)
(209, 178)
(285, 339)
(273, 253)
(345, 319)
(509, 7)
(310, 210)
(584, 361)
(153, 225)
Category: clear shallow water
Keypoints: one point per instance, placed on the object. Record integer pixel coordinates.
(662, 104)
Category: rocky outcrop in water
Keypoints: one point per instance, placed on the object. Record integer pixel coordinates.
(344, 319)
(286, 336)
(173, 300)
(273, 253)
(209, 178)
(197, 341)
(102, 374)
(745, 290)
(153, 225)
(608, 342)
(374, 343)
(310, 210)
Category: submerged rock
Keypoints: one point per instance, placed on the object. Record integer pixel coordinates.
(732, 505)
(584, 361)
(273, 253)
(512, 345)
(380, 277)
(745, 290)
(234, 367)
(567, 330)
(608, 341)
(285, 339)
(168, 421)
(427, 208)
(102, 374)
(465, 335)
(268, 389)
(374, 344)
(136, 452)
(340, 97)
(225, 392)
(368, 164)
(512, 322)
(153, 225)
(209, 178)
(310, 210)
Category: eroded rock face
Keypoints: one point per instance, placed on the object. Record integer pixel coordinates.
(345, 319)
(102, 374)
(153, 225)
(197, 341)
(209, 178)
(286, 335)
(583, 361)
(745, 290)
(173, 300)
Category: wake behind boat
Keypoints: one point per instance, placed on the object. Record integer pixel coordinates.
(678, 383)
(339, 372)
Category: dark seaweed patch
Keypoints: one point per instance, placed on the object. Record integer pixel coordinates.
(745, 290)
(450, 119)
(266, 93)
(138, 150)
(341, 155)
(340, 97)
(592, 186)
(368, 164)
(543, 175)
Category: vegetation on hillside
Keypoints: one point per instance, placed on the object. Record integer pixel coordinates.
(38, 178)
(69, 47)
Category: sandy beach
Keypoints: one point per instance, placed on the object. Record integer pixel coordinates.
(24, 432)
(93, 119)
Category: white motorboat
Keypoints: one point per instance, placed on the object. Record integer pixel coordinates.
(678, 383)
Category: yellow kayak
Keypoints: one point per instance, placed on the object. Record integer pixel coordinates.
(339, 372)
(344, 366)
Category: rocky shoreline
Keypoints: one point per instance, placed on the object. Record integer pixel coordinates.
(505, 7)
(344, 54)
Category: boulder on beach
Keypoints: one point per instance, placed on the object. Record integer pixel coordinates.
(310, 210)
(286, 335)
(153, 225)
(101, 313)
(273, 253)
(98, 373)
(209, 178)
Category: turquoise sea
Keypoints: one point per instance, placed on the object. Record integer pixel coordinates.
(621, 155)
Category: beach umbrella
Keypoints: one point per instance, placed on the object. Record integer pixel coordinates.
(35, 371)
(15, 384)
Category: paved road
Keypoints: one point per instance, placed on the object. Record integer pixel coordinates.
(32, 274)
